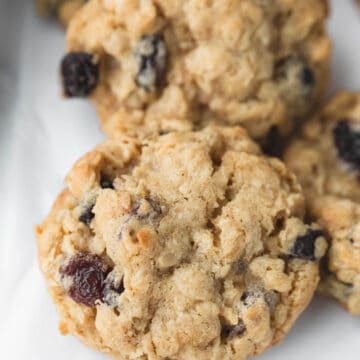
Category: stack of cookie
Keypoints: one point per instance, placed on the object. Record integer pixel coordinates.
(180, 237)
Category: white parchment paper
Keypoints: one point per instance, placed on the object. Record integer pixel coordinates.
(41, 135)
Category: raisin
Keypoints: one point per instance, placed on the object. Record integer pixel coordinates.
(151, 55)
(307, 78)
(87, 215)
(347, 142)
(297, 74)
(88, 274)
(304, 245)
(80, 74)
(244, 297)
(106, 183)
(231, 331)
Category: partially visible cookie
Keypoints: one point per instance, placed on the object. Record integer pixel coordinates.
(179, 65)
(326, 159)
(64, 10)
(186, 246)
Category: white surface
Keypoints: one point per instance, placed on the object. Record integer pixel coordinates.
(41, 135)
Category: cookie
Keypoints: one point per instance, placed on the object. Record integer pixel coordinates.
(62, 9)
(184, 246)
(326, 158)
(180, 65)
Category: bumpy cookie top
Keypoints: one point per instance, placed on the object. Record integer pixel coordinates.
(246, 62)
(326, 159)
(188, 246)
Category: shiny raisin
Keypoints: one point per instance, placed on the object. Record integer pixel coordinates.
(151, 55)
(87, 273)
(106, 183)
(304, 245)
(80, 74)
(347, 142)
(297, 74)
(87, 215)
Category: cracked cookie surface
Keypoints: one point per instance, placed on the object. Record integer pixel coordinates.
(258, 63)
(326, 159)
(186, 246)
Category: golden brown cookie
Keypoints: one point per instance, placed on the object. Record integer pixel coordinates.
(161, 65)
(326, 159)
(186, 246)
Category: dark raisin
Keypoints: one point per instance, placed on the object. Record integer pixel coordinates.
(297, 74)
(244, 297)
(80, 74)
(347, 142)
(231, 331)
(88, 274)
(304, 245)
(307, 78)
(106, 183)
(87, 215)
(151, 55)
